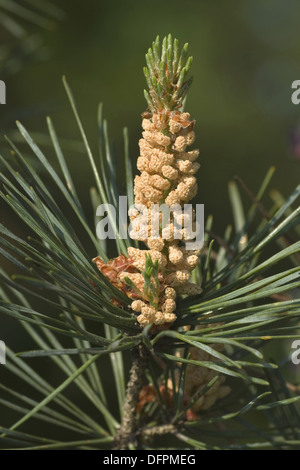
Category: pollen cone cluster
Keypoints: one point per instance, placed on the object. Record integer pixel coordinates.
(166, 182)
(167, 176)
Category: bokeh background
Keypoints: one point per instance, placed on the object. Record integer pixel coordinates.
(246, 56)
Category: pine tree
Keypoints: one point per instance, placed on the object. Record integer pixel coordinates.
(196, 325)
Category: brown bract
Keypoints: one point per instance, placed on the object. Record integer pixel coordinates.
(113, 269)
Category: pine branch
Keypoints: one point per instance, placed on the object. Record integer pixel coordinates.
(127, 433)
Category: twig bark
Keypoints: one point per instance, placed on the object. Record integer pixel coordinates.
(127, 433)
(158, 430)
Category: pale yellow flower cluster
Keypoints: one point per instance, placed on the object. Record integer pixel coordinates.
(167, 177)
(160, 316)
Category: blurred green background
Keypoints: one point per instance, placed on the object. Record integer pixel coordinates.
(246, 56)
